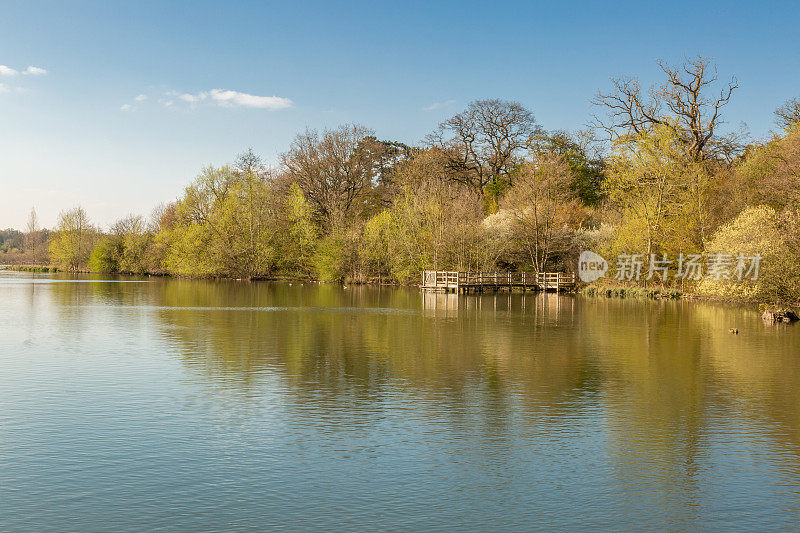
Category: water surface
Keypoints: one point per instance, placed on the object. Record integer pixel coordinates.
(179, 405)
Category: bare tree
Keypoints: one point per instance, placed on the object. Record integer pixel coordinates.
(249, 163)
(161, 217)
(681, 103)
(33, 238)
(334, 171)
(788, 114)
(542, 208)
(130, 224)
(482, 142)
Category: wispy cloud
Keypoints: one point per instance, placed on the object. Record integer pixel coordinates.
(31, 70)
(34, 71)
(132, 105)
(227, 98)
(187, 97)
(438, 105)
(8, 72)
(232, 98)
(216, 97)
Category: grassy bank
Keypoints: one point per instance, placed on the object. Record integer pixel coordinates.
(31, 268)
(622, 291)
(608, 290)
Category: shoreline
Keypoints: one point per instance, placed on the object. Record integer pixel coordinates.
(606, 290)
(666, 293)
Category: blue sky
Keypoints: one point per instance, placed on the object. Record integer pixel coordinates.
(214, 78)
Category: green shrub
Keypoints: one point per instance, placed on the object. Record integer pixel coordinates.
(760, 230)
(105, 257)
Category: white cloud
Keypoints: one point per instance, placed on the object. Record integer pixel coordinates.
(225, 98)
(139, 98)
(34, 71)
(8, 72)
(437, 105)
(191, 98)
(230, 98)
(31, 70)
(170, 96)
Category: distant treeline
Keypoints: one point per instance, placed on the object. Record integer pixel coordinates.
(489, 189)
(11, 240)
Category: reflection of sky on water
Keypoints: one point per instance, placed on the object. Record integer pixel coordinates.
(220, 405)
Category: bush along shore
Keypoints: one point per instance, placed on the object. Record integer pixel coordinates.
(489, 189)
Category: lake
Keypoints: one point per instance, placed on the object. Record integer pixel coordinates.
(177, 405)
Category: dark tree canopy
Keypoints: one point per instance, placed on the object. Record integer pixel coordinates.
(385, 157)
(587, 170)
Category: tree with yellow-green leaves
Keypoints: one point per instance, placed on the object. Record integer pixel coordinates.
(125, 248)
(225, 226)
(658, 191)
(298, 242)
(770, 174)
(73, 240)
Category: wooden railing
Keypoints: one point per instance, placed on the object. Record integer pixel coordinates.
(443, 279)
(439, 278)
(555, 280)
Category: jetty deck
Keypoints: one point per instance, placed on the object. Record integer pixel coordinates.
(447, 281)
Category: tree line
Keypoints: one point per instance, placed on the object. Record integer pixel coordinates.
(659, 172)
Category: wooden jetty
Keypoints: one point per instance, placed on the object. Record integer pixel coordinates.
(447, 281)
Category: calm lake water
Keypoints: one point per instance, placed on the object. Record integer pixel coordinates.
(208, 406)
